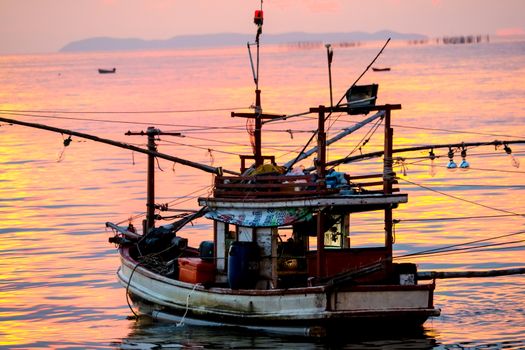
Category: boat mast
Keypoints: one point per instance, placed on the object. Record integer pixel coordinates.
(258, 115)
(151, 132)
(388, 179)
(321, 169)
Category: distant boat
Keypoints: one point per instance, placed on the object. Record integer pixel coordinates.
(387, 69)
(106, 71)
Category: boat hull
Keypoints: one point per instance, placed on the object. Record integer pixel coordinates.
(311, 311)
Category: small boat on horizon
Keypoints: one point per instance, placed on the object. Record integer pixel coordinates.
(385, 69)
(106, 71)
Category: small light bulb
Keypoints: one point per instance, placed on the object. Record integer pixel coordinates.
(432, 157)
(464, 164)
(451, 164)
(513, 160)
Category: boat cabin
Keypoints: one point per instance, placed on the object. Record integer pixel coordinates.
(276, 230)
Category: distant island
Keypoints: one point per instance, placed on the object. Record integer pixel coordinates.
(228, 39)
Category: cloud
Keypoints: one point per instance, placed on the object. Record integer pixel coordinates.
(510, 31)
(314, 6)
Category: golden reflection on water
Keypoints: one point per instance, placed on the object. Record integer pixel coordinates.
(57, 269)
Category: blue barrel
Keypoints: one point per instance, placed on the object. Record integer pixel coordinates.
(243, 265)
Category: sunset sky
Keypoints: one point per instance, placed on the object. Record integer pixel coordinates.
(32, 26)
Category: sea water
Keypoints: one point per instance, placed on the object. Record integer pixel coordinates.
(58, 287)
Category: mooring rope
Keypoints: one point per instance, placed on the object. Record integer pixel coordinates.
(181, 323)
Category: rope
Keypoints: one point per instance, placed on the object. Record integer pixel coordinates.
(127, 291)
(388, 173)
(181, 323)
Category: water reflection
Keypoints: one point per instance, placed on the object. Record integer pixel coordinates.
(146, 334)
(57, 272)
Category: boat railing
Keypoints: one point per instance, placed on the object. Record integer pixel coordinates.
(368, 184)
(268, 186)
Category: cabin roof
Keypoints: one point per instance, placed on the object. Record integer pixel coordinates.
(354, 200)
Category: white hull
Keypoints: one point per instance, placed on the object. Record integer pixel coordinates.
(305, 311)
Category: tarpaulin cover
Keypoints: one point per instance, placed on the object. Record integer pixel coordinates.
(260, 217)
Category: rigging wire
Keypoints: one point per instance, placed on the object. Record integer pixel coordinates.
(455, 218)
(172, 111)
(465, 250)
(453, 131)
(199, 147)
(473, 168)
(231, 143)
(339, 102)
(185, 198)
(453, 246)
(365, 138)
(120, 121)
(459, 198)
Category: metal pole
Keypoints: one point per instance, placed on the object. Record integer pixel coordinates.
(320, 245)
(321, 147)
(182, 161)
(387, 182)
(330, 54)
(150, 202)
(258, 126)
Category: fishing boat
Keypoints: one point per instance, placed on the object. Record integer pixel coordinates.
(107, 71)
(280, 257)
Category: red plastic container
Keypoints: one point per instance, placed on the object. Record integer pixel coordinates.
(194, 270)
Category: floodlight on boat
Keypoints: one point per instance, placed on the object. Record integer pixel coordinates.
(451, 164)
(361, 96)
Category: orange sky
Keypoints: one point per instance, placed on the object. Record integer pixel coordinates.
(29, 26)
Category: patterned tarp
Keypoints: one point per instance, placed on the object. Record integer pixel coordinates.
(260, 217)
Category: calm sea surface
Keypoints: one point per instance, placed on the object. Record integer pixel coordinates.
(58, 287)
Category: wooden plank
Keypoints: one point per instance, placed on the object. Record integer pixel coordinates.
(253, 194)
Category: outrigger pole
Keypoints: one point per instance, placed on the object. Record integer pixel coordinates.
(203, 167)
(347, 160)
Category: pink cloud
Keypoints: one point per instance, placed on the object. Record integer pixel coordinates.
(311, 5)
(510, 31)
